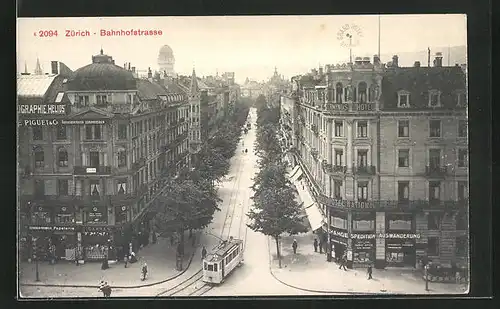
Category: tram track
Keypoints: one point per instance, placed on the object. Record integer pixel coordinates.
(194, 286)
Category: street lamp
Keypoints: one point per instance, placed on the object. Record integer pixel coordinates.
(426, 272)
(35, 257)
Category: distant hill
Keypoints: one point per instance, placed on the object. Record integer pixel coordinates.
(457, 54)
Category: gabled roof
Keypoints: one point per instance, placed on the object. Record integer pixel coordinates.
(150, 90)
(418, 81)
(34, 86)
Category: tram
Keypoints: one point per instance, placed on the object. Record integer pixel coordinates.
(223, 259)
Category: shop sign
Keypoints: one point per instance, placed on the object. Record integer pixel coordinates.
(52, 228)
(363, 236)
(40, 228)
(64, 228)
(340, 234)
(363, 245)
(398, 236)
(350, 204)
(96, 229)
(97, 215)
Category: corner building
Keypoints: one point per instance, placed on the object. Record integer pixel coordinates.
(379, 155)
(87, 184)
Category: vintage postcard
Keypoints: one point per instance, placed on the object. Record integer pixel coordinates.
(242, 156)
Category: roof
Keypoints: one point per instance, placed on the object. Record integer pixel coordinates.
(150, 90)
(102, 76)
(418, 81)
(34, 86)
(166, 50)
(219, 252)
(309, 81)
(57, 91)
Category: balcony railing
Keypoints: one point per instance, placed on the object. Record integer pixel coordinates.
(92, 170)
(435, 171)
(364, 170)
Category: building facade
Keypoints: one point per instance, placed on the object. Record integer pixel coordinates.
(388, 184)
(91, 177)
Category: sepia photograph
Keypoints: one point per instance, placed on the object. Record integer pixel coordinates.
(222, 156)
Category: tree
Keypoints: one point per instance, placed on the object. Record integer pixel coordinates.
(275, 209)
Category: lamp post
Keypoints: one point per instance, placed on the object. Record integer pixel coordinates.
(329, 240)
(35, 257)
(426, 271)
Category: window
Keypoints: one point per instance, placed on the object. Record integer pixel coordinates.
(94, 159)
(37, 133)
(61, 133)
(403, 100)
(339, 129)
(461, 246)
(434, 221)
(362, 158)
(403, 190)
(39, 188)
(462, 158)
(129, 98)
(434, 99)
(95, 188)
(101, 99)
(337, 185)
(460, 99)
(215, 267)
(435, 158)
(210, 267)
(403, 128)
(461, 221)
(338, 157)
(59, 97)
(339, 89)
(362, 128)
(62, 187)
(433, 246)
(62, 157)
(83, 100)
(39, 158)
(122, 131)
(462, 191)
(122, 158)
(88, 132)
(362, 191)
(403, 158)
(362, 92)
(434, 190)
(462, 128)
(97, 132)
(435, 128)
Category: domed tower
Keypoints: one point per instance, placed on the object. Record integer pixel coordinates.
(166, 60)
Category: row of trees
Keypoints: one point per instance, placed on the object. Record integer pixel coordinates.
(191, 199)
(275, 210)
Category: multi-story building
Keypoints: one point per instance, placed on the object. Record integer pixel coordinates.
(251, 89)
(382, 159)
(96, 168)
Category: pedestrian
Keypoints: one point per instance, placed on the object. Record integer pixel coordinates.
(133, 258)
(106, 290)
(102, 288)
(203, 253)
(458, 277)
(315, 244)
(343, 263)
(294, 246)
(321, 246)
(172, 240)
(144, 271)
(369, 271)
(125, 259)
(105, 264)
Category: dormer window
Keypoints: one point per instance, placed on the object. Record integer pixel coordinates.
(434, 98)
(403, 99)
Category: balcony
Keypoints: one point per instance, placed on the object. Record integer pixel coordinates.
(139, 164)
(314, 128)
(435, 171)
(364, 170)
(90, 170)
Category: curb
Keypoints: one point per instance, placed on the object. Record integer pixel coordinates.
(117, 287)
(312, 290)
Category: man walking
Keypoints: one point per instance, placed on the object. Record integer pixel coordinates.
(343, 261)
(294, 246)
(315, 244)
(203, 253)
(369, 271)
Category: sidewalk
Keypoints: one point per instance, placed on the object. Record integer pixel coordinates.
(310, 271)
(160, 258)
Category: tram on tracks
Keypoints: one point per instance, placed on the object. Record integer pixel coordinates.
(223, 259)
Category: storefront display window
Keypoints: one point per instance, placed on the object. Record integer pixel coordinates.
(40, 217)
(395, 257)
(362, 257)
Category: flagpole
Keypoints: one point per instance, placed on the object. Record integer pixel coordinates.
(379, 36)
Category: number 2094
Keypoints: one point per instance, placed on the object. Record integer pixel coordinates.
(47, 33)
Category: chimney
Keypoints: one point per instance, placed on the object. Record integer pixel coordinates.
(129, 66)
(54, 66)
(366, 60)
(321, 71)
(376, 60)
(358, 60)
(438, 59)
(395, 62)
(417, 64)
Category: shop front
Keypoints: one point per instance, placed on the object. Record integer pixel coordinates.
(97, 243)
(65, 242)
(40, 238)
(400, 240)
(363, 238)
(339, 240)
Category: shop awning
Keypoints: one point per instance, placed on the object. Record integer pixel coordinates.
(310, 206)
(296, 173)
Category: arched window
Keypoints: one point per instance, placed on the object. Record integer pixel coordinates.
(339, 89)
(362, 92)
(39, 158)
(62, 156)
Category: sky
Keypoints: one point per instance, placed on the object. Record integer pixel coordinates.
(250, 46)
